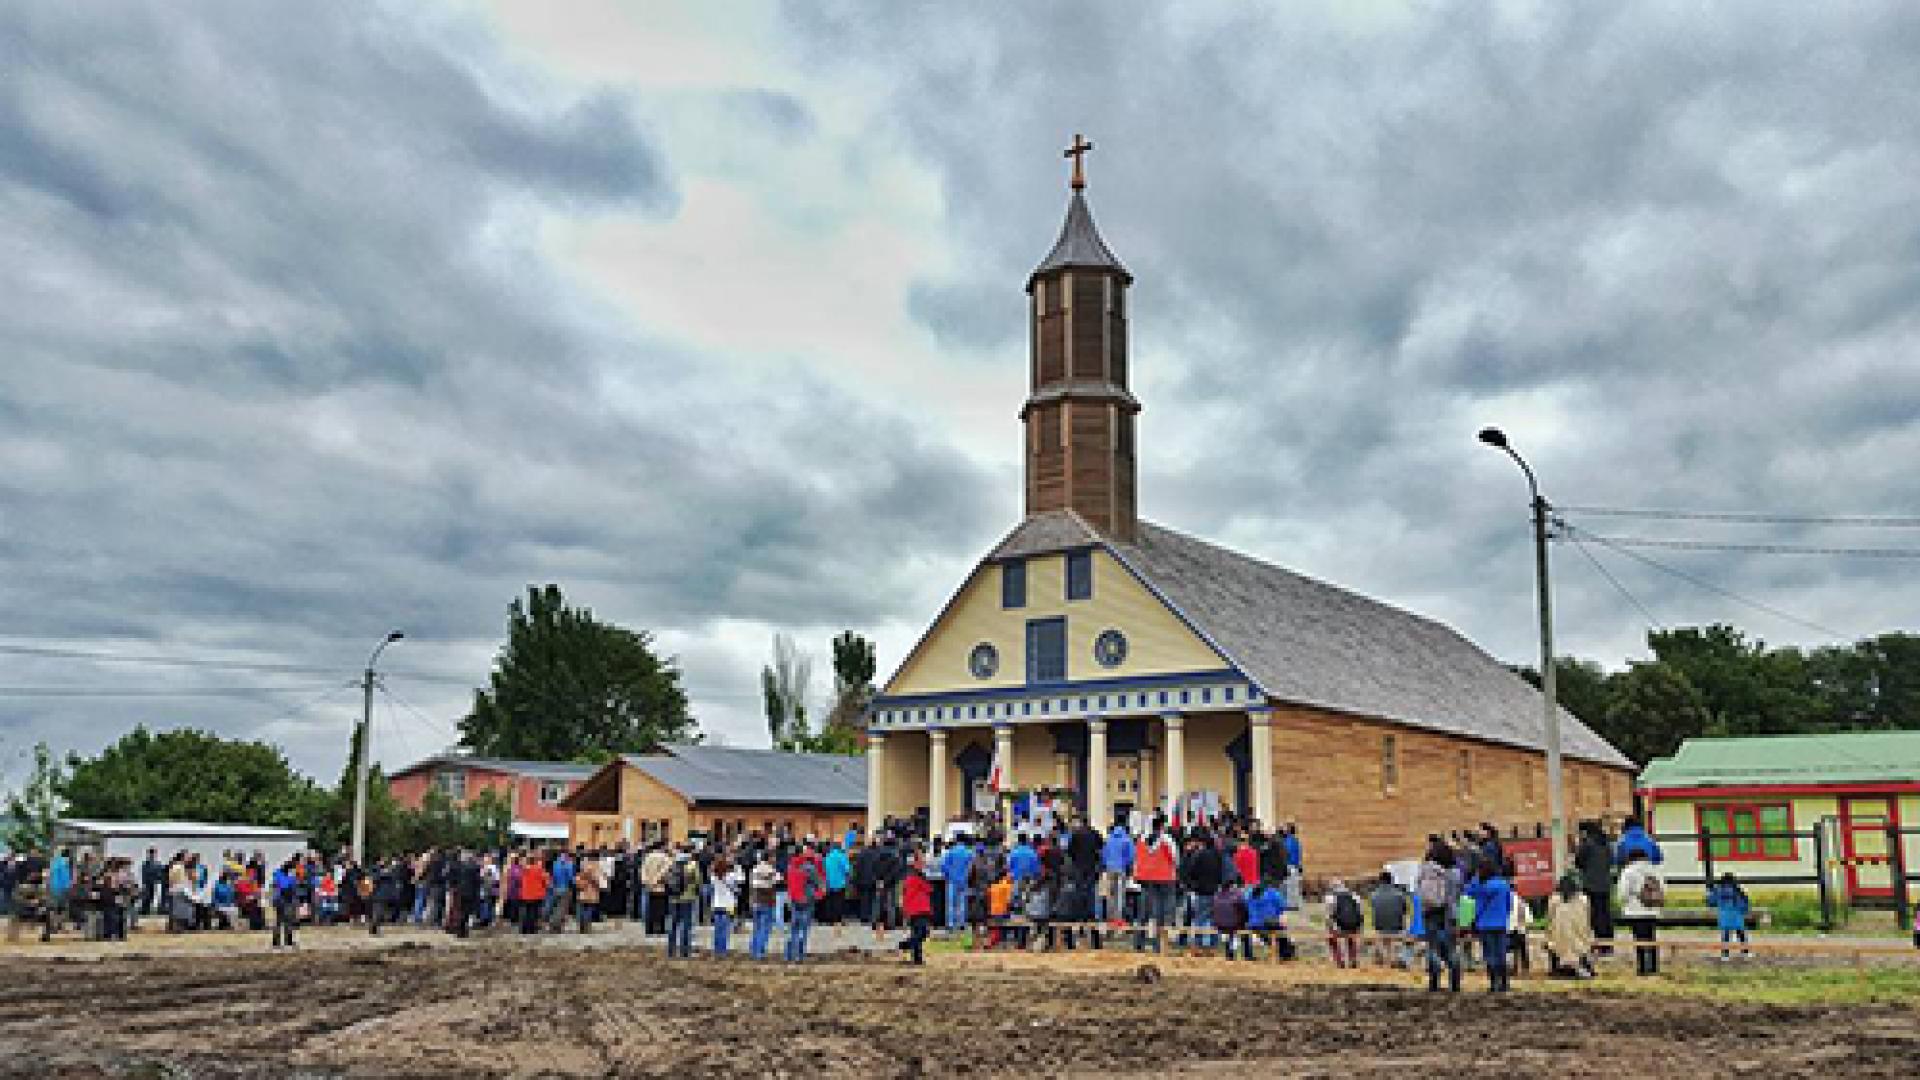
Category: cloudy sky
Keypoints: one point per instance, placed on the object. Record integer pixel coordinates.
(321, 319)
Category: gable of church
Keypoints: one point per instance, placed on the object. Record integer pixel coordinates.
(1119, 631)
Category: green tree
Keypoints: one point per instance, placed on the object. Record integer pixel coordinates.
(568, 687)
(1653, 708)
(784, 685)
(33, 808)
(1582, 687)
(193, 776)
(853, 670)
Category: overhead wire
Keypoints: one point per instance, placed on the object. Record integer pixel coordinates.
(1573, 536)
(98, 656)
(166, 692)
(1702, 583)
(441, 725)
(1758, 549)
(1741, 517)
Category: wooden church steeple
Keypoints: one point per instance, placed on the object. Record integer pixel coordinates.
(1079, 413)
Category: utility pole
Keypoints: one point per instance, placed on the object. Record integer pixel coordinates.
(1550, 705)
(363, 769)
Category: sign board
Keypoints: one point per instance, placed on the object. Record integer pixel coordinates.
(1532, 867)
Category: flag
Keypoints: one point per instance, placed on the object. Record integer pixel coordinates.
(998, 775)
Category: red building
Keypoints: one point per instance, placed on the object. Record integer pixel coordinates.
(534, 788)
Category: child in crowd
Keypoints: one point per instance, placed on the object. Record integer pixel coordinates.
(1344, 922)
(999, 904)
(1267, 916)
(916, 905)
(1730, 904)
(1231, 913)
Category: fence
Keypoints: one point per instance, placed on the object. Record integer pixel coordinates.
(1833, 871)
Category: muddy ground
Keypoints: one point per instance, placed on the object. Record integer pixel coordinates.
(508, 1009)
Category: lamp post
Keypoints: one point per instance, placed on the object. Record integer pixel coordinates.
(1497, 439)
(364, 767)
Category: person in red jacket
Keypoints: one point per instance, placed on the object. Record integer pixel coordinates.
(533, 894)
(916, 903)
(1246, 862)
(1153, 867)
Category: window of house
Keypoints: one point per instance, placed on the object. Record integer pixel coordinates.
(1526, 781)
(1047, 651)
(1464, 779)
(452, 783)
(1080, 575)
(1747, 830)
(1013, 584)
(552, 791)
(1389, 763)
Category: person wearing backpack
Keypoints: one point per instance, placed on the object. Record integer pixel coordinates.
(1437, 889)
(1390, 908)
(1642, 895)
(1230, 916)
(1493, 913)
(763, 885)
(682, 886)
(1345, 920)
(1730, 904)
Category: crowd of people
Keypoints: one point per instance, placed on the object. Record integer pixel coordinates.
(1225, 884)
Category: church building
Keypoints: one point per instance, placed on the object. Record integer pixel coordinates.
(1123, 666)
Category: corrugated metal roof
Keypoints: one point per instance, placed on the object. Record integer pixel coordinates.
(727, 774)
(178, 828)
(1310, 643)
(1080, 244)
(539, 770)
(1844, 757)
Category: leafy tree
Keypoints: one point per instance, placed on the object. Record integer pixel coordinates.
(190, 775)
(784, 685)
(853, 669)
(34, 807)
(1653, 708)
(568, 687)
(1580, 686)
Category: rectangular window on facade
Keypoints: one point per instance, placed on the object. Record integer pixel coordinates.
(1080, 575)
(1748, 831)
(552, 791)
(1389, 763)
(1464, 779)
(1047, 651)
(452, 783)
(1526, 781)
(1013, 584)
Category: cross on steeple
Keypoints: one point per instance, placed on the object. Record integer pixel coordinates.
(1078, 152)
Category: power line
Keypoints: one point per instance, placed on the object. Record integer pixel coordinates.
(56, 653)
(182, 692)
(441, 725)
(1712, 588)
(1738, 517)
(1615, 582)
(1758, 549)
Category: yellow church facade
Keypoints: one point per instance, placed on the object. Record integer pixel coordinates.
(1142, 669)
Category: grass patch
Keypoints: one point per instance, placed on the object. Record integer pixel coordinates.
(1773, 986)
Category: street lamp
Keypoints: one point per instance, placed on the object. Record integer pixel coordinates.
(1497, 439)
(364, 767)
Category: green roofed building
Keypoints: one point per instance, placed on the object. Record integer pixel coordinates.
(1761, 797)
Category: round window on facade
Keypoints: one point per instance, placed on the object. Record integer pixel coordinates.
(984, 661)
(1110, 648)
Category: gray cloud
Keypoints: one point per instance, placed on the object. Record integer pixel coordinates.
(1671, 247)
(287, 366)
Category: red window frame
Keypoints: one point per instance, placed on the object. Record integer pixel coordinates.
(1735, 839)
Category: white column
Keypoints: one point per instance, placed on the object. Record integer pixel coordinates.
(1148, 797)
(937, 781)
(876, 781)
(1260, 743)
(1003, 753)
(1176, 755)
(1063, 770)
(1099, 803)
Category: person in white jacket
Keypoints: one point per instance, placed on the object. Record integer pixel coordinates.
(1520, 915)
(1642, 894)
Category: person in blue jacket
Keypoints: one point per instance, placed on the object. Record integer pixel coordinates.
(1116, 866)
(1023, 863)
(1634, 838)
(1492, 910)
(955, 864)
(286, 904)
(1267, 916)
(1730, 904)
(59, 886)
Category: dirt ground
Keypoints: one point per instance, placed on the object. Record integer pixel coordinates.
(506, 1008)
